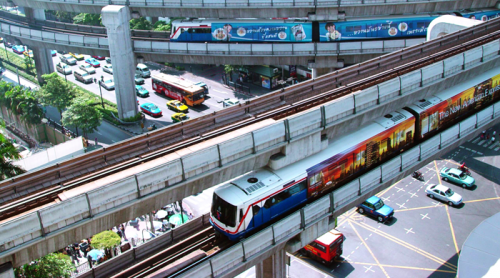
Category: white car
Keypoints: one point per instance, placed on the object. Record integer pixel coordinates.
(107, 83)
(108, 68)
(63, 68)
(68, 59)
(230, 102)
(443, 193)
(88, 68)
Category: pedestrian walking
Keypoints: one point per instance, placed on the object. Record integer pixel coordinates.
(488, 136)
(493, 140)
(96, 141)
(95, 80)
(122, 229)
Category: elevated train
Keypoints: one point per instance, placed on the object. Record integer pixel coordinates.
(296, 30)
(247, 203)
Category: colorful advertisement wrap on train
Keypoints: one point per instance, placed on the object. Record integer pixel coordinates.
(484, 16)
(331, 172)
(336, 31)
(477, 97)
(248, 32)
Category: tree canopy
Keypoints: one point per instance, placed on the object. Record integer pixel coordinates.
(140, 23)
(105, 240)
(8, 152)
(51, 265)
(161, 25)
(82, 114)
(56, 92)
(88, 19)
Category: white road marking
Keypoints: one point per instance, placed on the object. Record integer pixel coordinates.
(409, 231)
(399, 189)
(413, 194)
(481, 143)
(436, 204)
(425, 216)
(386, 198)
(369, 269)
(479, 153)
(226, 93)
(401, 206)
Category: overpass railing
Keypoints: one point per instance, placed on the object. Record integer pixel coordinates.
(216, 49)
(240, 3)
(98, 202)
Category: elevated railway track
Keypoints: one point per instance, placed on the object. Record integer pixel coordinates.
(31, 190)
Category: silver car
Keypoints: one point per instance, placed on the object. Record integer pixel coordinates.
(107, 83)
(63, 68)
(108, 68)
(443, 193)
(68, 59)
(88, 68)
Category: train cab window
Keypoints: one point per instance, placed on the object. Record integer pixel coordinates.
(224, 211)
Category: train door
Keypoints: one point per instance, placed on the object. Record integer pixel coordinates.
(258, 214)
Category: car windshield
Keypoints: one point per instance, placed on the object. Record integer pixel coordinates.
(463, 176)
(379, 204)
(183, 118)
(85, 74)
(449, 192)
(153, 107)
(107, 81)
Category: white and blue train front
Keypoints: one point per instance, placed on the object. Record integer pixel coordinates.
(254, 199)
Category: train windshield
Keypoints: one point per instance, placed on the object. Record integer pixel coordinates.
(223, 211)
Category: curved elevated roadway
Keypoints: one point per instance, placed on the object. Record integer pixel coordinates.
(158, 168)
(314, 9)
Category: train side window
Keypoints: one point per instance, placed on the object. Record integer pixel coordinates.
(421, 25)
(255, 210)
(297, 188)
(353, 28)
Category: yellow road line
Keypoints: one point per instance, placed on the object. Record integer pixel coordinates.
(369, 250)
(481, 200)
(407, 245)
(387, 189)
(400, 266)
(437, 171)
(452, 230)
(400, 210)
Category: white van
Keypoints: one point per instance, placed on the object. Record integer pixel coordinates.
(143, 70)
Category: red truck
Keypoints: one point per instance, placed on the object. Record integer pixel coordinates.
(326, 248)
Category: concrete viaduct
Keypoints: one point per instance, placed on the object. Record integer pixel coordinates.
(119, 197)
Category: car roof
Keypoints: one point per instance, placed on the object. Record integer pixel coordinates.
(373, 199)
(441, 187)
(455, 171)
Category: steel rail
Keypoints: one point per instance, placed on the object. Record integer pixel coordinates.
(284, 102)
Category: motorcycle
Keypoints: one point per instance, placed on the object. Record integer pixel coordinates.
(465, 170)
(152, 127)
(418, 175)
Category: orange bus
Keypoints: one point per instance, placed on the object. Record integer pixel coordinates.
(327, 247)
(179, 89)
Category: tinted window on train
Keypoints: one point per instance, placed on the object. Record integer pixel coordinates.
(353, 28)
(276, 199)
(422, 24)
(223, 211)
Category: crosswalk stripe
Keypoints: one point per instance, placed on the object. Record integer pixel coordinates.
(482, 142)
(497, 148)
(475, 140)
(491, 147)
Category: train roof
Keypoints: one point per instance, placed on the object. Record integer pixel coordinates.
(424, 104)
(272, 179)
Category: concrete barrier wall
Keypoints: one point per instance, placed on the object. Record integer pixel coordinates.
(322, 208)
(196, 164)
(233, 3)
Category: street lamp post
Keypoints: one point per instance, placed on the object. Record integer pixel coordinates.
(65, 78)
(100, 91)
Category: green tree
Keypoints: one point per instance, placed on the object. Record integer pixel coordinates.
(105, 241)
(28, 63)
(56, 92)
(32, 112)
(60, 16)
(161, 25)
(88, 19)
(140, 24)
(8, 153)
(51, 265)
(83, 114)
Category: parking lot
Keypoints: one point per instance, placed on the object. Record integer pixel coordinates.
(425, 236)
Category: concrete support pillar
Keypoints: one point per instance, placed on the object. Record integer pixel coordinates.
(314, 73)
(272, 267)
(6, 271)
(32, 14)
(116, 19)
(43, 62)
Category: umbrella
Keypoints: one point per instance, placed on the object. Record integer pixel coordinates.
(161, 214)
(176, 219)
(156, 224)
(95, 254)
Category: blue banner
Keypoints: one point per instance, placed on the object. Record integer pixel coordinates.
(248, 32)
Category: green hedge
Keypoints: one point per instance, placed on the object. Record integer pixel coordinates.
(14, 60)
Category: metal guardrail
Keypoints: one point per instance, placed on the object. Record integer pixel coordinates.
(240, 3)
